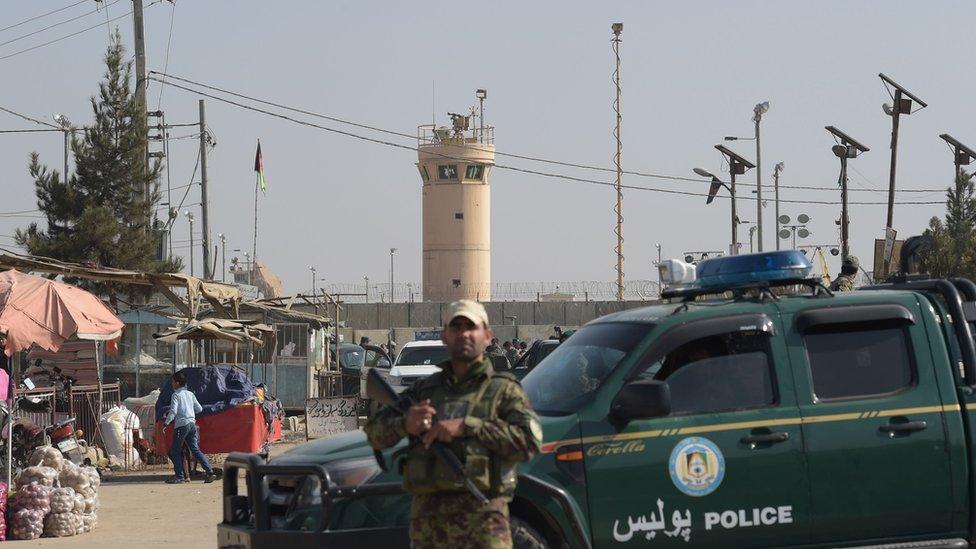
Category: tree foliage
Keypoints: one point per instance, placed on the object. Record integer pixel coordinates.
(98, 216)
(953, 238)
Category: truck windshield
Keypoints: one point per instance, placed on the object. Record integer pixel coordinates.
(416, 356)
(567, 379)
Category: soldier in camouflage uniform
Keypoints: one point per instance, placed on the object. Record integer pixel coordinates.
(848, 273)
(485, 419)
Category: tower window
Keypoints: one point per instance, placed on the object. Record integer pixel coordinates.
(447, 171)
(423, 173)
(474, 171)
(456, 282)
(459, 216)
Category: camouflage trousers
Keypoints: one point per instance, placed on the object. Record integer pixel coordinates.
(459, 520)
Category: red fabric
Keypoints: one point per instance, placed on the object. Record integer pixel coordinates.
(238, 429)
(35, 310)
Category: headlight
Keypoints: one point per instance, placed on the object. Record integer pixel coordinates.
(353, 472)
(396, 379)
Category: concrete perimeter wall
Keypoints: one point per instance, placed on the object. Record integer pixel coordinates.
(533, 319)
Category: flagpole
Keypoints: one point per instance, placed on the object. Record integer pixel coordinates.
(259, 168)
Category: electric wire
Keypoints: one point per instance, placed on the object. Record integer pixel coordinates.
(48, 43)
(31, 119)
(49, 27)
(169, 40)
(497, 153)
(501, 166)
(36, 17)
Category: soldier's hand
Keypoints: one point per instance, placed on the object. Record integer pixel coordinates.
(419, 418)
(444, 431)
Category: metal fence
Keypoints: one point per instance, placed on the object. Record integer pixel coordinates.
(87, 410)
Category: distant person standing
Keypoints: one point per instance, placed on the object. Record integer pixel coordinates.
(183, 410)
(848, 274)
(557, 333)
(511, 352)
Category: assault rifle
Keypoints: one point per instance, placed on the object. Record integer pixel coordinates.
(379, 390)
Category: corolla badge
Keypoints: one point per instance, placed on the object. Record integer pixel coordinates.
(697, 466)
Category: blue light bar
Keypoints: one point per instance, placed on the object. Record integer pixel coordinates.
(744, 269)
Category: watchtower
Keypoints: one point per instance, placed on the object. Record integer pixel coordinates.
(455, 163)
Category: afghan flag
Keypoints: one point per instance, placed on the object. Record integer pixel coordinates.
(259, 168)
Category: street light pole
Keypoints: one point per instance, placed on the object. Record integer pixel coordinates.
(223, 256)
(735, 218)
(758, 111)
(389, 340)
(189, 217)
(366, 284)
(776, 171)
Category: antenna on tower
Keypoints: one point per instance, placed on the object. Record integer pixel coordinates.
(618, 209)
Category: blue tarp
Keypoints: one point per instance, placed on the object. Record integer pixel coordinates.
(216, 387)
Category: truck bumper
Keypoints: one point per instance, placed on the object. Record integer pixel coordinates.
(240, 537)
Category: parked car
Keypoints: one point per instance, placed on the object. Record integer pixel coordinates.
(729, 416)
(353, 358)
(416, 359)
(540, 349)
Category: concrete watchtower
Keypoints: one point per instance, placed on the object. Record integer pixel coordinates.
(455, 164)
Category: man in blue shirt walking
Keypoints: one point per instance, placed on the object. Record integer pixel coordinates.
(183, 411)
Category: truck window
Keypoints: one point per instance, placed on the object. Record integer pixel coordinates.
(859, 360)
(718, 374)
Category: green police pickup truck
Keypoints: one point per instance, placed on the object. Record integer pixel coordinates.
(755, 408)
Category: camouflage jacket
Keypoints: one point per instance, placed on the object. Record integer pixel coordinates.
(506, 428)
(843, 283)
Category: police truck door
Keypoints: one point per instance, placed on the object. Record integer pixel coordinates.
(872, 419)
(725, 468)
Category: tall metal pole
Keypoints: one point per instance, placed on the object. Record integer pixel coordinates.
(65, 176)
(223, 258)
(204, 201)
(776, 192)
(254, 250)
(618, 209)
(895, 113)
(734, 250)
(366, 292)
(844, 220)
(390, 303)
(759, 210)
(190, 217)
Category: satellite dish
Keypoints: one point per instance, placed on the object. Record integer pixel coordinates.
(784, 233)
(803, 218)
(802, 233)
(783, 220)
(834, 251)
(689, 259)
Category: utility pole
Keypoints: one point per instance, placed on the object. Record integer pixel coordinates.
(189, 217)
(776, 171)
(390, 304)
(618, 209)
(204, 203)
(139, 36)
(847, 148)
(223, 257)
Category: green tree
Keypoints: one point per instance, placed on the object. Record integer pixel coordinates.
(97, 216)
(953, 239)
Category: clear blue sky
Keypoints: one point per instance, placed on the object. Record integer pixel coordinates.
(692, 72)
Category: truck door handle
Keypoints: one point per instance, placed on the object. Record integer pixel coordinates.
(765, 438)
(907, 427)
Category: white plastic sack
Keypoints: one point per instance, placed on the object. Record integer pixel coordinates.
(89, 521)
(117, 425)
(93, 479)
(74, 477)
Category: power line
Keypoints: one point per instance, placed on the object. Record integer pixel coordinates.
(32, 48)
(30, 131)
(498, 166)
(169, 39)
(497, 153)
(30, 119)
(49, 27)
(36, 17)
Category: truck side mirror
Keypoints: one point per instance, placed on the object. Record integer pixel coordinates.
(643, 399)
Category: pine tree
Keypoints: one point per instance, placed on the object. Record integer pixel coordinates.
(953, 240)
(98, 216)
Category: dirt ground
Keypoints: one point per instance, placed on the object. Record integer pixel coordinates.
(138, 509)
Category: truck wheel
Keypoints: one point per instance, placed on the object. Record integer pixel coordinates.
(525, 536)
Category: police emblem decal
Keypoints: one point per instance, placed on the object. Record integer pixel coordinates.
(697, 466)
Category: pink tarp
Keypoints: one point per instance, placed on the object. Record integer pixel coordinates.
(35, 310)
